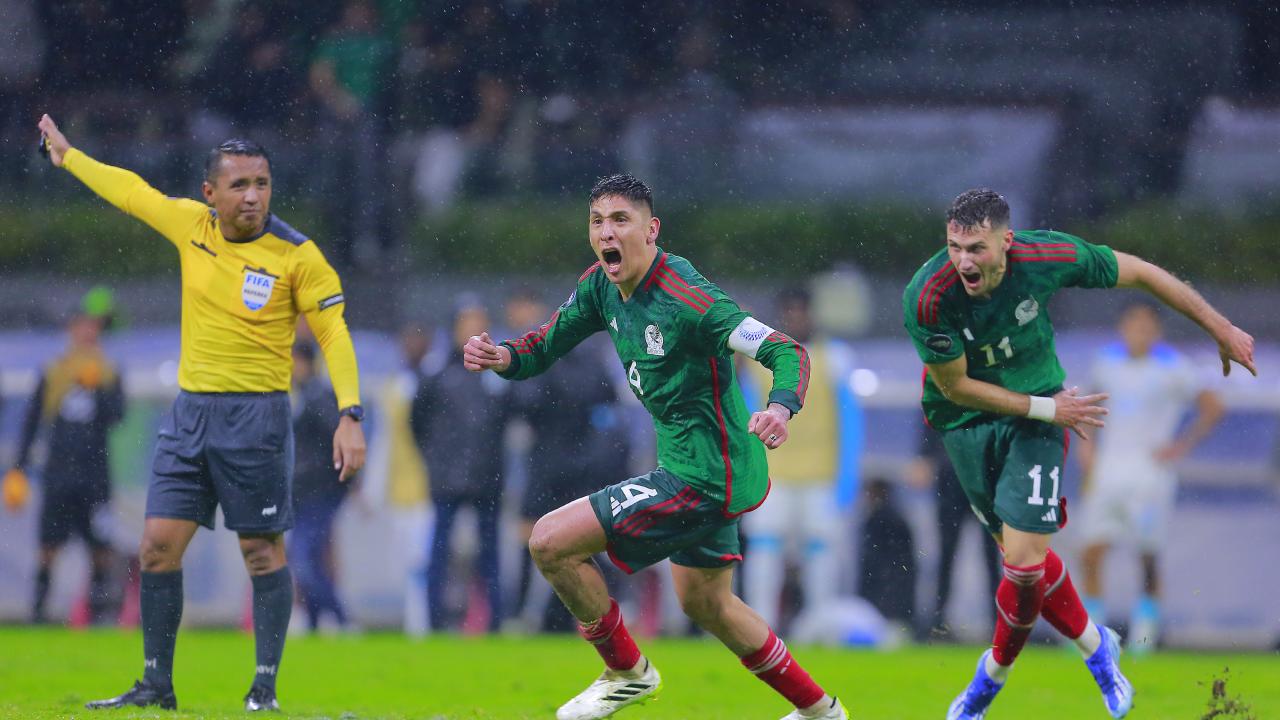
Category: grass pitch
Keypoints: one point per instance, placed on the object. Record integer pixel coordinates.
(50, 673)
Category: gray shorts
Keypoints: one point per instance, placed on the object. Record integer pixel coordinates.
(228, 449)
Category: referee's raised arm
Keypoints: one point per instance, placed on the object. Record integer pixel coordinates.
(54, 141)
(171, 217)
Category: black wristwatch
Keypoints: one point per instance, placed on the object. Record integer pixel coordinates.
(355, 412)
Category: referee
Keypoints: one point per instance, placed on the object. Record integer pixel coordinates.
(246, 276)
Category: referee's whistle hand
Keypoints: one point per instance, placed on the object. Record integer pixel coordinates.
(54, 140)
(348, 448)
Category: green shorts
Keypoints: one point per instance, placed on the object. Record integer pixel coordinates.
(1011, 471)
(658, 515)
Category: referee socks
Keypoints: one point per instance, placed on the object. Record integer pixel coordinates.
(272, 606)
(161, 608)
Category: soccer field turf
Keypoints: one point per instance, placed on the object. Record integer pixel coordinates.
(48, 673)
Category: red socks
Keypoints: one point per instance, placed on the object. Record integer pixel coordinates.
(1062, 606)
(611, 639)
(1018, 601)
(774, 665)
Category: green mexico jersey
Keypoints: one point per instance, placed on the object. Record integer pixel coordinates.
(675, 337)
(1007, 338)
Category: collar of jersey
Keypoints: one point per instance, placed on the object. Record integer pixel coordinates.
(266, 227)
(648, 276)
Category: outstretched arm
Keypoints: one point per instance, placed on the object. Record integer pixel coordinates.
(171, 217)
(1067, 408)
(1234, 344)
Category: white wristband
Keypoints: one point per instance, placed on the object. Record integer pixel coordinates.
(1042, 408)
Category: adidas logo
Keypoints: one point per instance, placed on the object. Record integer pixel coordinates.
(615, 506)
(628, 691)
(266, 670)
(1051, 516)
(151, 663)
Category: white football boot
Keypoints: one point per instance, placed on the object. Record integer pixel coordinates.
(612, 692)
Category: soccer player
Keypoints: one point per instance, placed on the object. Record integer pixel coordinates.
(246, 276)
(1132, 484)
(976, 313)
(674, 332)
(79, 398)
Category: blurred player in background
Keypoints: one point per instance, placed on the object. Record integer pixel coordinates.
(803, 517)
(675, 333)
(1132, 484)
(246, 276)
(78, 399)
(977, 314)
(458, 420)
(568, 457)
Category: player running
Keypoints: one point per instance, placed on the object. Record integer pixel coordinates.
(246, 276)
(674, 332)
(1132, 484)
(977, 316)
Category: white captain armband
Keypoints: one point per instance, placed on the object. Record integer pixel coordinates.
(748, 336)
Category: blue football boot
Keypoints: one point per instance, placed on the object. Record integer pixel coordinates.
(1117, 691)
(974, 701)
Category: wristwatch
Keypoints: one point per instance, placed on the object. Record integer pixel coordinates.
(355, 412)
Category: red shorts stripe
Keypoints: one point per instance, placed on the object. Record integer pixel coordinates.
(688, 502)
(627, 523)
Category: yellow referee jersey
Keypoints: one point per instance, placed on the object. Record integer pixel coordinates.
(240, 300)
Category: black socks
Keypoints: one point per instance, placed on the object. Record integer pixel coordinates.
(272, 606)
(161, 603)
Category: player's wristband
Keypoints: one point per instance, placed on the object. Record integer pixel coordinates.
(1042, 408)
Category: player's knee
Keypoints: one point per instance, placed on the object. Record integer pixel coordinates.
(261, 555)
(158, 555)
(702, 608)
(544, 546)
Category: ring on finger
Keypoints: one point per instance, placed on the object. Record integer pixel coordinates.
(773, 438)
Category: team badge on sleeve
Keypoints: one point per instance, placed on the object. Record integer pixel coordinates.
(257, 287)
(749, 336)
(939, 343)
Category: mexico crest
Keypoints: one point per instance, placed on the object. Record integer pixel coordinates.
(1026, 311)
(653, 340)
(257, 287)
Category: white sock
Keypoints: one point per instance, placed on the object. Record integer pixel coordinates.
(1089, 641)
(823, 705)
(636, 671)
(995, 670)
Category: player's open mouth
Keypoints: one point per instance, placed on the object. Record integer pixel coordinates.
(612, 259)
(971, 280)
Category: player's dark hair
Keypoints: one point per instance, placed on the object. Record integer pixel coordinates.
(235, 146)
(624, 186)
(972, 208)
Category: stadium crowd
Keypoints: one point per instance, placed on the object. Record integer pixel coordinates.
(403, 104)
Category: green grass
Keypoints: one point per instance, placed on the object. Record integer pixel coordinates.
(50, 673)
